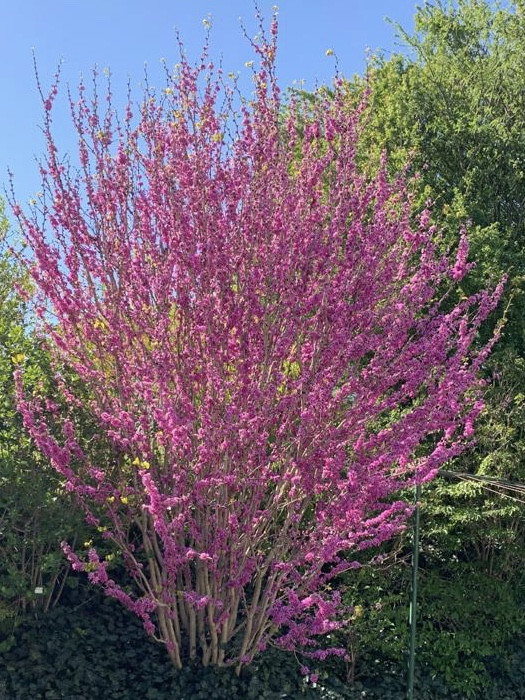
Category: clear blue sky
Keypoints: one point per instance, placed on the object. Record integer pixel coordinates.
(124, 35)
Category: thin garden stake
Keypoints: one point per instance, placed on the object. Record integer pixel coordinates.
(413, 600)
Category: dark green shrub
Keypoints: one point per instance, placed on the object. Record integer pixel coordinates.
(97, 648)
(90, 647)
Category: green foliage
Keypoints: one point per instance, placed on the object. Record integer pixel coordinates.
(467, 622)
(456, 108)
(473, 586)
(35, 513)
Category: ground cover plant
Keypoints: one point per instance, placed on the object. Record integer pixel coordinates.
(91, 645)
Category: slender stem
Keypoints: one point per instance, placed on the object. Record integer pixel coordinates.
(168, 636)
(250, 613)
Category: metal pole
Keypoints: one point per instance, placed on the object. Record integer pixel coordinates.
(413, 598)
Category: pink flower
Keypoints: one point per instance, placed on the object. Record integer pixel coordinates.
(245, 337)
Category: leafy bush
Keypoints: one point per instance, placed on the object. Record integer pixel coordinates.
(35, 512)
(468, 620)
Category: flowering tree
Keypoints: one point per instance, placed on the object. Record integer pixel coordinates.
(260, 336)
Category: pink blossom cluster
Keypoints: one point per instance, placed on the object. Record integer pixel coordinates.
(264, 339)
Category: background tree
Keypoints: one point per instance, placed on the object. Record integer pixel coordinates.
(453, 106)
(262, 344)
